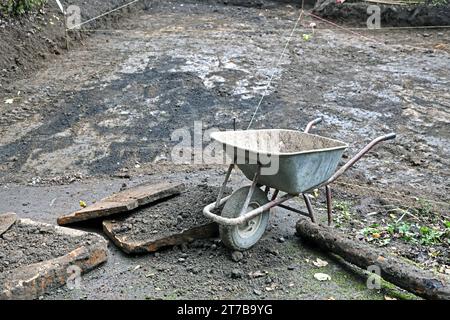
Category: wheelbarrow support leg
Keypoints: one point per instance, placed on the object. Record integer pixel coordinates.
(222, 189)
(329, 205)
(250, 192)
(309, 207)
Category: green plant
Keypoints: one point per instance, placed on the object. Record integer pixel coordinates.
(344, 208)
(438, 2)
(376, 233)
(429, 236)
(404, 230)
(19, 7)
(391, 228)
(372, 229)
(447, 224)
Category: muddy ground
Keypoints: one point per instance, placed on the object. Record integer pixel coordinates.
(109, 108)
(278, 267)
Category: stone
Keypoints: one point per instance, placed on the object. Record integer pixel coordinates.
(237, 256)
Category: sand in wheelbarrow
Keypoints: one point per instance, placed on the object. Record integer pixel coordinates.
(34, 257)
(170, 222)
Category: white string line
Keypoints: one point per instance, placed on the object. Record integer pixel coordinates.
(276, 67)
(102, 15)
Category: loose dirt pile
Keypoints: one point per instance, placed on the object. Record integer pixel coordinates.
(356, 13)
(25, 244)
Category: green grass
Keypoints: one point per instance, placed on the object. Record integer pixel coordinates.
(19, 7)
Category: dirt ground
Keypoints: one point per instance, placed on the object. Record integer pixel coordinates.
(179, 213)
(107, 109)
(25, 244)
(355, 13)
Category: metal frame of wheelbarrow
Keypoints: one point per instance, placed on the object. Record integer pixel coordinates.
(278, 201)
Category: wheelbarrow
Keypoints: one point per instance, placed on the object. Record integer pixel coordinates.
(304, 162)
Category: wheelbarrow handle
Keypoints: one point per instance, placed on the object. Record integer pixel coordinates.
(359, 155)
(312, 123)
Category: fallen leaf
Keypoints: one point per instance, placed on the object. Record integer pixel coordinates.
(320, 263)
(83, 204)
(316, 193)
(322, 277)
(272, 287)
(306, 37)
(376, 235)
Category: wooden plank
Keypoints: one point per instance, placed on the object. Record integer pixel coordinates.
(171, 222)
(6, 221)
(123, 201)
(34, 280)
(208, 230)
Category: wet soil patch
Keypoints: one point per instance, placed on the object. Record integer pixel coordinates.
(179, 93)
(25, 244)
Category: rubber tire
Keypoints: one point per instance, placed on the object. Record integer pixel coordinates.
(232, 209)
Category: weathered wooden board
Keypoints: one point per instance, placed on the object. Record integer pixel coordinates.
(154, 244)
(123, 201)
(33, 280)
(6, 221)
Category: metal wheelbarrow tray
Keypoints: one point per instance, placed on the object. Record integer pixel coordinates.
(289, 161)
(303, 161)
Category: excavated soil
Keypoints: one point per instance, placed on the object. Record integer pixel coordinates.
(25, 244)
(30, 41)
(356, 13)
(110, 107)
(169, 216)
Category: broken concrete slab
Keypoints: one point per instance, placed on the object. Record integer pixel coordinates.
(172, 222)
(31, 274)
(124, 201)
(6, 221)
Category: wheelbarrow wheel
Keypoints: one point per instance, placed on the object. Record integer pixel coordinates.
(244, 236)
